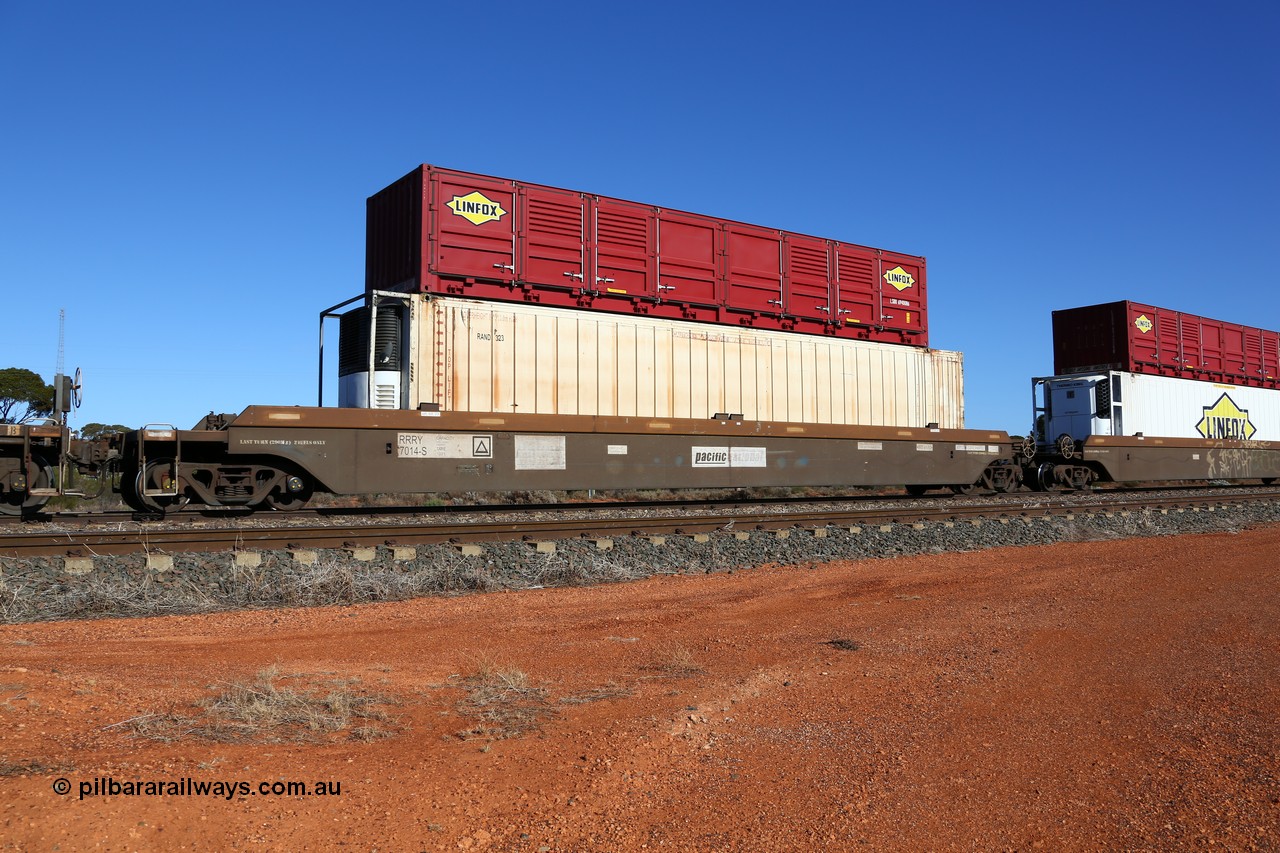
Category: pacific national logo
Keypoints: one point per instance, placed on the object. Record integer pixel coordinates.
(476, 208)
(899, 278)
(1143, 324)
(1224, 419)
(710, 457)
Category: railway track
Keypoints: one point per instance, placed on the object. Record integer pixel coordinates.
(198, 533)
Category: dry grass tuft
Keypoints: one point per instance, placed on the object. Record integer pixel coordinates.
(10, 768)
(611, 690)
(503, 702)
(674, 660)
(265, 711)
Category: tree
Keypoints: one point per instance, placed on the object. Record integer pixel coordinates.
(96, 430)
(24, 396)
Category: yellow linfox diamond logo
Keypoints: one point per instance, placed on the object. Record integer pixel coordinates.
(1144, 325)
(1224, 419)
(899, 278)
(476, 208)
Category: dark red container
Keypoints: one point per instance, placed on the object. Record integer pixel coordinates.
(1141, 338)
(461, 234)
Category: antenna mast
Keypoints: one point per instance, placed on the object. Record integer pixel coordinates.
(66, 390)
(62, 339)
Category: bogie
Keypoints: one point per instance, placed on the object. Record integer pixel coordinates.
(157, 487)
(25, 485)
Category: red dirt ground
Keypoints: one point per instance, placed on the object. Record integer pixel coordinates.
(1078, 696)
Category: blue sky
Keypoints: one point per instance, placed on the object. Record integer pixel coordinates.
(188, 182)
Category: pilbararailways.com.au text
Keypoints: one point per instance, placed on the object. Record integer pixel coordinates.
(108, 786)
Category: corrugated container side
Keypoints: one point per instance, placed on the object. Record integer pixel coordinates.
(1086, 339)
(393, 236)
(1140, 338)
(456, 233)
(478, 356)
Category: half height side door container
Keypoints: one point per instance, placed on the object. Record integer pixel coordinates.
(484, 356)
(455, 233)
(1138, 338)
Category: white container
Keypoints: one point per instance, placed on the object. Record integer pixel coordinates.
(1118, 403)
(474, 356)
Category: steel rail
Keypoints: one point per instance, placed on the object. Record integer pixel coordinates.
(193, 514)
(152, 537)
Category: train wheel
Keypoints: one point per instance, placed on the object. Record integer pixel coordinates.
(295, 492)
(39, 476)
(1045, 480)
(157, 476)
(971, 489)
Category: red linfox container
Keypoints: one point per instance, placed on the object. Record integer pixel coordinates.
(1141, 338)
(461, 234)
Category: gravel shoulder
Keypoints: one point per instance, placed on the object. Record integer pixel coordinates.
(1079, 695)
